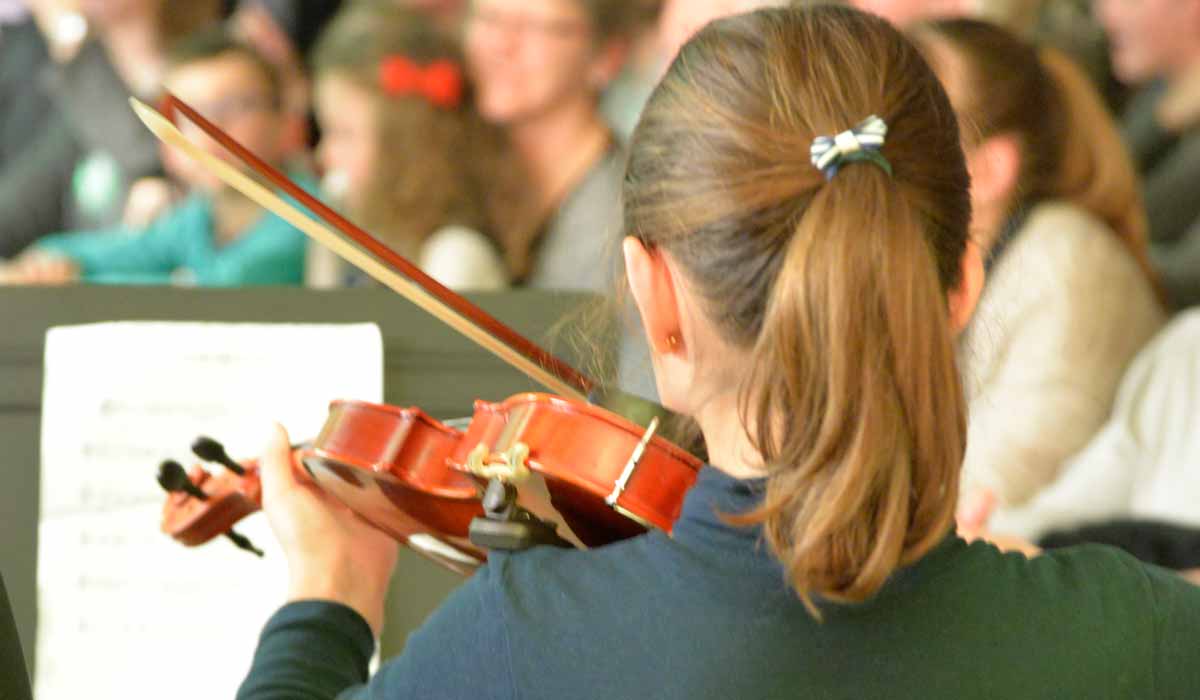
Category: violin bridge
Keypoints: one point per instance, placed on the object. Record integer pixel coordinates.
(627, 472)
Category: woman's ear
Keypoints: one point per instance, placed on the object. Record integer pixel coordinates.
(965, 297)
(653, 289)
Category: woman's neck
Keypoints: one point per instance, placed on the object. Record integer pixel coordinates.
(559, 148)
(134, 46)
(728, 441)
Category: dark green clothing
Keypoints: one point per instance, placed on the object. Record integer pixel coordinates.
(1169, 164)
(709, 615)
(14, 682)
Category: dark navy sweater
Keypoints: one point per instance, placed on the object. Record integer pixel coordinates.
(708, 614)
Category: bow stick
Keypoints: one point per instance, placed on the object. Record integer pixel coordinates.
(366, 252)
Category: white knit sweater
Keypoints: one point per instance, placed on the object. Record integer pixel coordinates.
(1145, 461)
(1063, 313)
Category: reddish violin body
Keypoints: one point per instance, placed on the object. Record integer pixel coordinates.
(583, 452)
(391, 466)
(597, 476)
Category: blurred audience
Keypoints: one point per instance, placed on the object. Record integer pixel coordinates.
(1156, 43)
(91, 149)
(446, 15)
(284, 32)
(540, 67)
(1145, 462)
(23, 101)
(1069, 298)
(407, 154)
(216, 236)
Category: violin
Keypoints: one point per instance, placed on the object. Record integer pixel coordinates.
(532, 469)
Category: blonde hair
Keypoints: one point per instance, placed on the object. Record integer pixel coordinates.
(838, 289)
(1071, 149)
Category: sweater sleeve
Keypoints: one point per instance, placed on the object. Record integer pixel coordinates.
(123, 255)
(309, 650)
(314, 650)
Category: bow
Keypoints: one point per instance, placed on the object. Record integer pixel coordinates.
(440, 82)
(860, 144)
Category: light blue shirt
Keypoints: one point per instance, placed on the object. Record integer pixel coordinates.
(181, 246)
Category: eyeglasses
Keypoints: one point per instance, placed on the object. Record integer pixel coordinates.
(228, 110)
(520, 23)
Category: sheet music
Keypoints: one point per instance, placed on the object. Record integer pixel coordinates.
(124, 611)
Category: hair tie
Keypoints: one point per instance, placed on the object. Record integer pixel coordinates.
(860, 144)
(440, 82)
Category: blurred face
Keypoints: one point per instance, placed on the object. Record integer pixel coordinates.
(349, 136)
(107, 11)
(681, 19)
(529, 57)
(230, 91)
(904, 12)
(1150, 38)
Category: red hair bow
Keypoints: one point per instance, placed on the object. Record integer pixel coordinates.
(440, 82)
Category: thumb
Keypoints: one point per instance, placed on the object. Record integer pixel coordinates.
(275, 464)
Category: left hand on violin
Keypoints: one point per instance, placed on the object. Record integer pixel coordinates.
(332, 554)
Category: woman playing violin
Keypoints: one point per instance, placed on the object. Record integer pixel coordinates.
(797, 212)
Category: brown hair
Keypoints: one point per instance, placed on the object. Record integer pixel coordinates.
(618, 19)
(837, 290)
(216, 41)
(1070, 148)
(440, 166)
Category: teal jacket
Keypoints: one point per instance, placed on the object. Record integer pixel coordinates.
(180, 246)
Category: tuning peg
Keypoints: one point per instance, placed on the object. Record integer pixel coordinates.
(210, 450)
(174, 479)
(243, 542)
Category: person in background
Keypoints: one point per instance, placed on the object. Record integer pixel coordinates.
(24, 102)
(1070, 298)
(92, 150)
(539, 68)
(797, 208)
(284, 33)
(216, 236)
(1144, 464)
(1156, 43)
(404, 150)
(446, 15)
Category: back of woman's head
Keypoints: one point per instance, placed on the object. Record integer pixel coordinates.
(836, 289)
(1070, 147)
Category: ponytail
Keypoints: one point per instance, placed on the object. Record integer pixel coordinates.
(857, 353)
